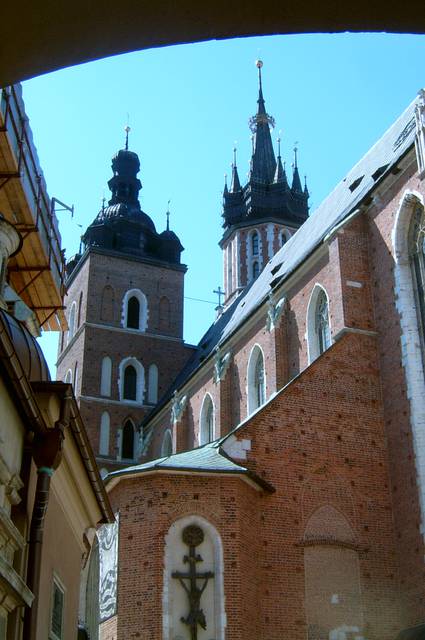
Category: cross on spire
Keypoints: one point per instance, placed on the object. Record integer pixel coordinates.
(220, 293)
(168, 215)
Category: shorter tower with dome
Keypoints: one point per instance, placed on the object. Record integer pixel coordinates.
(125, 342)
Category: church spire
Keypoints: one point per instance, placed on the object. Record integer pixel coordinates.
(296, 182)
(263, 163)
(235, 184)
(280, 174)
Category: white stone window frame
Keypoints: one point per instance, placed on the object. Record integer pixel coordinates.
(411, 342)
(143, 310)
(140, 381)
(104, 433)
(175, 533)
(106, 377)
(313, 350)
(251, 391)
(71, 322)
(203, 436)
(167, 440)
(153, 376)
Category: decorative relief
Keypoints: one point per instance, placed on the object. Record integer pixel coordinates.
(193, 583)
(275, 311)
(221, 365)
(108, 568)
(178, 406)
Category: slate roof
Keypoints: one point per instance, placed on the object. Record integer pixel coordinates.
(343, 200)
(208, 458)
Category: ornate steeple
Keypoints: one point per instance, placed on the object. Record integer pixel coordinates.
(267, 195)
(263, 164)
(296, 182)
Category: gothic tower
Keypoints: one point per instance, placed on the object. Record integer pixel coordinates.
(262, 215)
(124, 303)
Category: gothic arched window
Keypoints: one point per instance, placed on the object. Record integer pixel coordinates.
(135, 310)
(130, 383)
(105, 376)
(255, 269)
(256, 380)
(417, 257)
(318, 325)
(133, 313)
(131, 380)
(80, 304)
(127, 441)
(206, 430)
(254, 243)
(322, 323)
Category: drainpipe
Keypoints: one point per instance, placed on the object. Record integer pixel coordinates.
(47, 454)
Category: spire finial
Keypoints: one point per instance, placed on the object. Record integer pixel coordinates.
(295, 155)
(168, 215)
(259, 65)
(278, 143)
(103, 200)
(127, 130)
(235, 148)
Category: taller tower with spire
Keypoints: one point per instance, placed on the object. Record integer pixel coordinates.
(259, 217)
(124, 306)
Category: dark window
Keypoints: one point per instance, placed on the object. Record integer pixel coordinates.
(130, 383)
(254, 243)
(133, 313)
(255, 269)
(127, 447)
(56, 622)
(80, 303)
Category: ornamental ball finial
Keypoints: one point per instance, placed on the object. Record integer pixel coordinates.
(258, 64)
(127, 129)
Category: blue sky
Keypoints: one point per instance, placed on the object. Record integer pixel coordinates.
(187, 105)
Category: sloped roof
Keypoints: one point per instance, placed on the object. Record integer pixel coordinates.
(343, 200)
(208, 458)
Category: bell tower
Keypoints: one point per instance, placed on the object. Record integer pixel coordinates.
(261, 216)
(124, 305)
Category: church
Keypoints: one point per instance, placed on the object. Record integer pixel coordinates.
(269, 482)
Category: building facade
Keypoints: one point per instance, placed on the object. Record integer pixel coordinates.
(280, 487)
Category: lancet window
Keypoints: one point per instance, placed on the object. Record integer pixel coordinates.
(322, 323)
(130, 383)
(127, 441)
(207, 421)
(256, 380)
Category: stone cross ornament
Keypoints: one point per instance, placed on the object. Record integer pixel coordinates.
(192, 582)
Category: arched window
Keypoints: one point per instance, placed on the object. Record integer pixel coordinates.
(167, 444)
(105, 423)
(135, 310)
(322, 323)
(229, 288)
(206, 428)
(68, 377)
(133, 313)
(127, 441)
(256, 380)
(255, 269)
(284, 237)
(318, 326)
(153, 384)
(105, 377)
(130, 383)
(107, 305)
(71, 321)
(131, 380)
(75, 377)
(254, 243)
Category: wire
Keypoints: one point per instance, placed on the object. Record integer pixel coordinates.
(199, 300)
